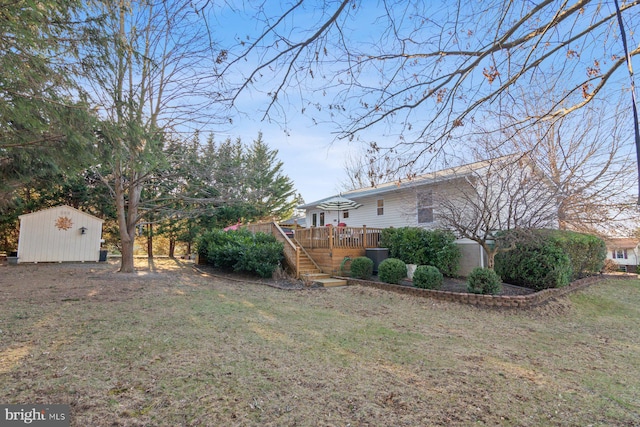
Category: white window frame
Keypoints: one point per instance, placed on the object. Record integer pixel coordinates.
(425, 206)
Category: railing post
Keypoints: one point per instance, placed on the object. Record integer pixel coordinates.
(297, 262)
(330, 238)
(364, 237)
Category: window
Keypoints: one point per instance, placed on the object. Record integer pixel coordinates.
(345, 214)
(314, 220)
(620, 254)
(380, 207)
(321, 219)
(425, 207)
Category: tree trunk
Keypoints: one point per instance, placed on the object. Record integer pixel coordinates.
(149, 240)
(127, 213)
(126, 263)
(491, 256)
(172, 247)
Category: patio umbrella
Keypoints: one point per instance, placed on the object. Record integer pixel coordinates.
(233, 227)
(338, 203)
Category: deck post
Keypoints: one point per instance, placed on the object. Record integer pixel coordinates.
(330, 238)
(364, 237)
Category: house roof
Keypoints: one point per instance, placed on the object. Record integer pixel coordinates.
(428, 178)
(299, 220)
(95, 218)
(622, 242)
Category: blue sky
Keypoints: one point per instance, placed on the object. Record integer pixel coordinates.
(312, 157)
(309, 157)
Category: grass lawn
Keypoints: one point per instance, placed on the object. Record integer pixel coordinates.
(171, 347)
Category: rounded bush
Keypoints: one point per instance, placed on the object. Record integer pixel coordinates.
(392, 270)
(535, 265)
(427, 277)
(484, 281)
(362, 268)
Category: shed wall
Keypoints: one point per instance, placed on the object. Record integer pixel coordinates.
(54, 235)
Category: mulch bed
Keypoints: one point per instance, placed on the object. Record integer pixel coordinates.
(460, 286)
(288, 283)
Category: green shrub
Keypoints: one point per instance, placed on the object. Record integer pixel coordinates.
(241, 250)
(415, 245)
(427, 277)
(262, 258)
(537, 264)
(484, 281)
(392, 270)
(362, 268)
(586, 252)
(550, 258)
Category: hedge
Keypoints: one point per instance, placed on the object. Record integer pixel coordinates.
(415, 245)
(550, 258)
(241, 250)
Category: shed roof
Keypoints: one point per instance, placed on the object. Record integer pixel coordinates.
(59, 208)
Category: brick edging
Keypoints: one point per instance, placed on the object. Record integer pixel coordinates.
(504, 301)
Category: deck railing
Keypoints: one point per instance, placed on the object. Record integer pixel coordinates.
(338, 237)
(319, 237)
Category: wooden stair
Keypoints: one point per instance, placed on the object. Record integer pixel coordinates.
(309, 272)
(307, 266)
(323, 279)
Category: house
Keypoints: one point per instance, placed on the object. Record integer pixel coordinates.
(624, 252)
(59, 234)
(416, 202)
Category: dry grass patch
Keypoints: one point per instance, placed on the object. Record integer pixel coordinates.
(174, 347)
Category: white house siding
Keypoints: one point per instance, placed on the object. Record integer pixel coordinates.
(472, 256)
(54, 235)
(628, 249)
(400, 210)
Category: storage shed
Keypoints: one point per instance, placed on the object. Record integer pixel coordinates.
(59, 234)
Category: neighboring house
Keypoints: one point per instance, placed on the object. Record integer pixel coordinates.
(59, 234)
(412, 203)
(624, 252)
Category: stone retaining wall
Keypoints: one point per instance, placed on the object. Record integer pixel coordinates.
(507, 301)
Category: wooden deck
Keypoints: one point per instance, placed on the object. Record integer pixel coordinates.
(338, 237)
(324, 249)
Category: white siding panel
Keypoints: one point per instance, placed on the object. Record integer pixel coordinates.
(400, 208)
(399, 211)
(45, 237)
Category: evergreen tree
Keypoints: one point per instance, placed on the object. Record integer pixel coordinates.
(270, 193)
(45, 124)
